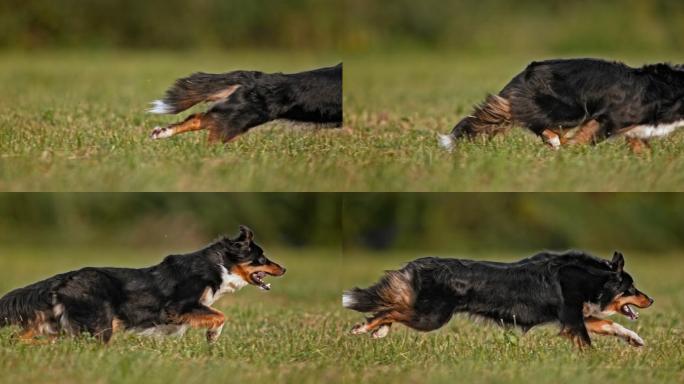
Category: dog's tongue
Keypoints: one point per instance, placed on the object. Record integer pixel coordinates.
(631, 313)
(265, 286)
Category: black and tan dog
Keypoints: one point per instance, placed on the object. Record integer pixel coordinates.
(583, 101)
(573, 289)
(163, 299)
(242, 100)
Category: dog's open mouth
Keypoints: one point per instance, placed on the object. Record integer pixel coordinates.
(258, 280)
(630, 312)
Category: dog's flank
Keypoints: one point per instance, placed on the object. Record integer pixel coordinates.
(573, 289)
(242, 100)
(583, 101)
(163, 299)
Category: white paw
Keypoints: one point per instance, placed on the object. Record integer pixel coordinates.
(359, 329)
(161, 133)
(381, 332)
(554, 142)
(635, 340)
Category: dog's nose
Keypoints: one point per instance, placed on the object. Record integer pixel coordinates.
(285, 270)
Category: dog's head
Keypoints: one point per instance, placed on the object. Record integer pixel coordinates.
(247, 260)
(619, 293)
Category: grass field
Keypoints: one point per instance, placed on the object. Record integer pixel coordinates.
(76, 121)
(298, 333)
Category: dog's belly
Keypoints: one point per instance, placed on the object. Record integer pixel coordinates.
(645, 132)
(161, 330)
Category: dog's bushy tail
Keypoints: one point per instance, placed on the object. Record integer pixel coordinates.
(200, 87)
(393, 292)
(21, 306)
(490, 118)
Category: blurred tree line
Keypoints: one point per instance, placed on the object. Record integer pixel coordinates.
(418, 222)
(171, 218)
(561, 26)
(353, 25)
(175, 24)
(501, 221)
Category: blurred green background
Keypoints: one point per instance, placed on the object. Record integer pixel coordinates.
(375, 221)
(504, 222)
(170, 24)
(354, 25)
(173, 219)
(560, 26)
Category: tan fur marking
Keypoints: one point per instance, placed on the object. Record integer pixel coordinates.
(398, 291)
(223, 94)
(214, 319)
(638, 146)
(492, 117)
(596, 325)
(610, 328)
(246, 270)
(619, 301)
(193, 123)
(117, 325)
(585, 133)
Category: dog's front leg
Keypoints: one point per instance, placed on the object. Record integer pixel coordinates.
(552, 138)
(573, 326)
(607, 327)
(586, 133)
(203, 317)
(638, 146)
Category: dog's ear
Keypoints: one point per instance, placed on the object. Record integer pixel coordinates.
(618, 262)
(246, 234)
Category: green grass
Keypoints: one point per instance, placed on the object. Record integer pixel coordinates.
(298, 333)
(76, 121)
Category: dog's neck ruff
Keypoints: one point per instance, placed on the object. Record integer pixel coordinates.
(229, 283)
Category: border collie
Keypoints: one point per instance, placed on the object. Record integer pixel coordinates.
(583, 101)
(242, 100)
(573, 289)
(163, 299)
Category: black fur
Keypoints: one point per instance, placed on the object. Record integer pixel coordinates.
(310, 97)
(544, 288)
(569, 93)
(138, 298)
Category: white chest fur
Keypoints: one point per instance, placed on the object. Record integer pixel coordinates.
(653, 131)
(229, 284)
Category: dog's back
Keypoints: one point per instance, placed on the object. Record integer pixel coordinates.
(595, 99)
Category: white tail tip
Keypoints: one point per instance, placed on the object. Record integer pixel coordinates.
(348, 300)
(446, 142)
(160, 107)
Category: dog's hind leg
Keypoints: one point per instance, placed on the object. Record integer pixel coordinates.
(379, 325)
(231, 119)
(609, 328)
(194, 122)
(638, 146)
(203, 317)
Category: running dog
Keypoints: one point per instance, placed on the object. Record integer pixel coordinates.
(242, 100)
(573, 289)
(583, 101)
(163, 299)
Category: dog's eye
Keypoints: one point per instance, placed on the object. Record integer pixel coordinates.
(261, 260)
